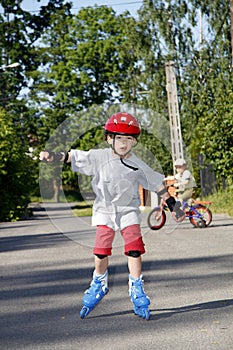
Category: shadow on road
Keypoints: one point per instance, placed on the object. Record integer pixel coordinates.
(157, 314)
(217, 304)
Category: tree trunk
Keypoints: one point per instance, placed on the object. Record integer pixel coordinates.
(56, 189)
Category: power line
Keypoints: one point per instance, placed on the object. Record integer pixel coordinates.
(109, 5)
(120, 3)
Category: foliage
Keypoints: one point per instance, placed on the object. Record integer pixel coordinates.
(16, 172)
(81, 65)
(20, 33)
(214, 135)
(203, 70)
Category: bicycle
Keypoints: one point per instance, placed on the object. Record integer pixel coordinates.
(197, 212)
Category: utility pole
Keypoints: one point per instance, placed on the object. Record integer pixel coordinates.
(174, 116)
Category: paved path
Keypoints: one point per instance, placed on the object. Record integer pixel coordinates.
(46, 264)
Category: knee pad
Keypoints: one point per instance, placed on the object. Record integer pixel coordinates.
(134, 253)
(101, 256)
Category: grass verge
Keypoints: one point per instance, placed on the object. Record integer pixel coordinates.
(82, 209)
(221, 202)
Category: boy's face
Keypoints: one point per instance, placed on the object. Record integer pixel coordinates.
(121, 144)
(180, 169)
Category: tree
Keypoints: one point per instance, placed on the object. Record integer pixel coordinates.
(17, 174)
(20, 33)
(208, 99)
(203, 68)
(81, 61)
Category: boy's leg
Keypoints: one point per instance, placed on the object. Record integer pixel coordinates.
(97, 290)
(186, 195)
(134, 247)
(99, 285)
(135, 266)
(101, 264)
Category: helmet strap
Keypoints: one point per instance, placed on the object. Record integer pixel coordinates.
(127, 165)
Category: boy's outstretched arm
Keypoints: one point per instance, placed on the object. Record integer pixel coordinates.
(174, 206)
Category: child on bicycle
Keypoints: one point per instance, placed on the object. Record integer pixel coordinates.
(117, 173)
(184, 181)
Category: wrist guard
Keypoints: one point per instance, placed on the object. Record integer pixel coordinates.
(58, 156)
(175, 206)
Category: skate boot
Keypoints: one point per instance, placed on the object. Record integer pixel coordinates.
(138, 297)
(92, 296)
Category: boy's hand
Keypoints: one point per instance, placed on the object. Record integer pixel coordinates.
(49, 156)
(45, 156)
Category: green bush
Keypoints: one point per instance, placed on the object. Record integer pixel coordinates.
(16, 173)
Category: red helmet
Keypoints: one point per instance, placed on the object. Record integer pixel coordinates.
(122, 123)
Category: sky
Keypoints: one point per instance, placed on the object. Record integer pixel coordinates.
(118, 5)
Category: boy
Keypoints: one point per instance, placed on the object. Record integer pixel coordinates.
(117, 173)
(184, 181)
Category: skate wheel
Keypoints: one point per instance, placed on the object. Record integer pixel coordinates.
(84, 312)
(143, 313)
(146, 314)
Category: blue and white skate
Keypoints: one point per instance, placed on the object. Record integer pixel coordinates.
(138, 297)
(92, 296)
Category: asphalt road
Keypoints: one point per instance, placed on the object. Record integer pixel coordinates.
(46, 264)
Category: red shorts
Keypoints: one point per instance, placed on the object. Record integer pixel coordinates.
(105, 236)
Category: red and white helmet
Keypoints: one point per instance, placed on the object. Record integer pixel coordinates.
(122, 123)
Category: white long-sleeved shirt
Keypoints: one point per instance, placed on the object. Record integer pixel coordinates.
(115, 185)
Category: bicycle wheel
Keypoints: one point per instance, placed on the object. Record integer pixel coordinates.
(156, 219)
(200, 216)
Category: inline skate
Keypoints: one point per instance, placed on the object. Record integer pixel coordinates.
(138, 297)
(92, 296)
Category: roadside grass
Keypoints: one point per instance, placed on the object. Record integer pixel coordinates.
(82, 209)
(221, 202)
